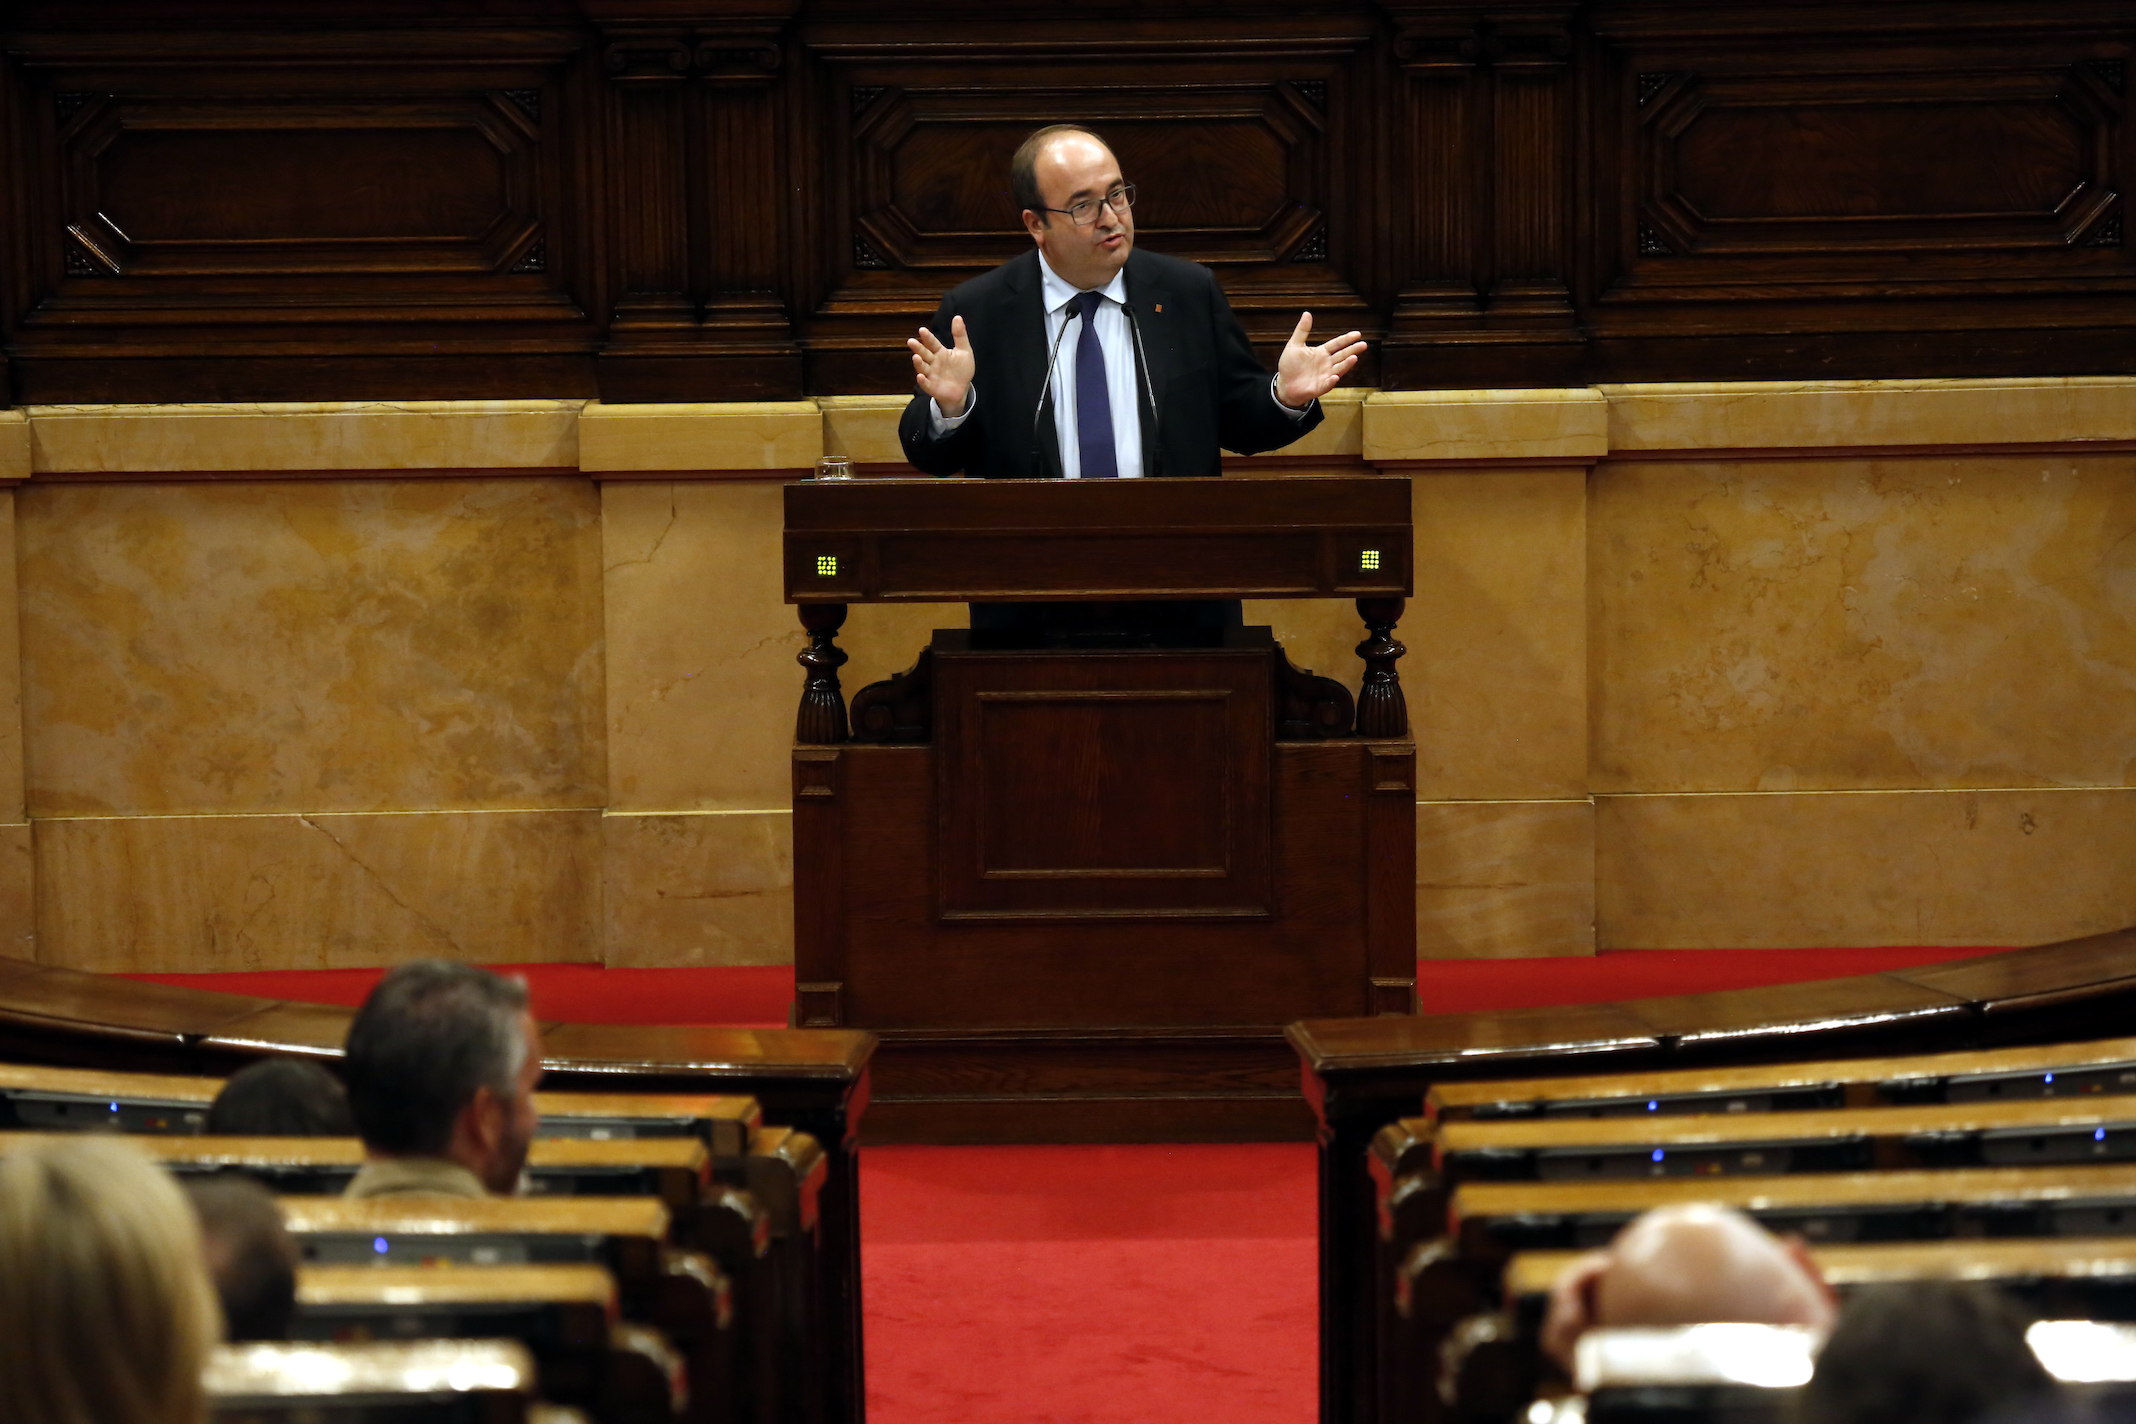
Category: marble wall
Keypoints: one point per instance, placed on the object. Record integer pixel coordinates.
(332, 685)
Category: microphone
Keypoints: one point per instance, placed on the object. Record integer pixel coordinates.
(1045, 390)
(1151, 459)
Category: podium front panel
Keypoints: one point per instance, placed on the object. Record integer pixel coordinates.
(1100, 786)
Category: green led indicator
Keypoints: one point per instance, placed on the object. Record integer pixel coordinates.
(1368, 560)
(826, 566)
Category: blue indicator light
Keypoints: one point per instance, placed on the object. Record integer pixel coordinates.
(378, 1244)
(1658, 1154)
(1653, 1106)
(114, 1107)
(2048, 1079)
(2099, 1134)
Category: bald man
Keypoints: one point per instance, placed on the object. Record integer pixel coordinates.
(1687, 1265)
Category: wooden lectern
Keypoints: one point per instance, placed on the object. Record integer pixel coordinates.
(1079, 891)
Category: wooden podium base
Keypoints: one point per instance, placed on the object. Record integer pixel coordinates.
(966, 1089)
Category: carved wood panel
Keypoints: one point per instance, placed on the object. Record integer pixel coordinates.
(1238, 138)
(732, 199)
(339, 213)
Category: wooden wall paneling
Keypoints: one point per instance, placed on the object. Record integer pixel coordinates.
(698, 208)
(1894, 191)
(743, 101)
(1237, 131)
(342, 212)
(1484, 121)
(14, 236)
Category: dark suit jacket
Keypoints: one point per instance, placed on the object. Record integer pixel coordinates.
(1210, 392)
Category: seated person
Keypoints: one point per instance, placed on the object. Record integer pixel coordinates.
(442, 1061)
(1926, 1352)
(251, 1257)
(106, 1313)
(1687, 1265)
(281, 1097)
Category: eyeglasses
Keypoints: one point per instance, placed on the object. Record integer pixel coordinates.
(1085, 213)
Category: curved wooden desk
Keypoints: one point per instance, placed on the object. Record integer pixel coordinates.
(1362, 1074)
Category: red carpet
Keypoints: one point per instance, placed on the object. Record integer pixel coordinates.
(1089, 1285)
(758, 996)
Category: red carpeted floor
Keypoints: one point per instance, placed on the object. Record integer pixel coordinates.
(1096, 1285)
(1089, 1285)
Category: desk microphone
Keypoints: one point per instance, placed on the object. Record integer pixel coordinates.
(1045, 389)
(1152, 460)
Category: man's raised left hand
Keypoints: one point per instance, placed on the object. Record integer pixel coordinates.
(1306, 373)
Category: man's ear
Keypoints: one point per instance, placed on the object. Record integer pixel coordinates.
(485, 1119)
(1034, 223)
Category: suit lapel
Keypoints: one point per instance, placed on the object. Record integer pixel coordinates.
(1023, 327)
(1156, 314)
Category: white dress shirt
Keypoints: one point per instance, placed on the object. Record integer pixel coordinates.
(1123, 385)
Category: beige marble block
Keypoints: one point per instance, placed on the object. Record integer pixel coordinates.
(1865, 624)
(864, 428)
(1496, 674)
(14, 445)
(1505, 879)
(353, 645)
(761, 435)
(702, 682)
(325, 435)
(1797, 415)
(1519, 425)
(1339, 438)
(699, 888)
(18, 892)
(1844, 869)
(183, 893)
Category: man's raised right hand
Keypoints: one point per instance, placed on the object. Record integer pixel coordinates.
(944, 372)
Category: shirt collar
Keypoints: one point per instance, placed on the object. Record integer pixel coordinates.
(1055, 291)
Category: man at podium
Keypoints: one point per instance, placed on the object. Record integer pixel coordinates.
(1086, 359)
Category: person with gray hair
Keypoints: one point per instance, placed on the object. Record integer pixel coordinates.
(441, 1065)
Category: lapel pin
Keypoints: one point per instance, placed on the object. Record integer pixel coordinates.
(1160, 306)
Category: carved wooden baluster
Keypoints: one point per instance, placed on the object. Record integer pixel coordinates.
(1381, 709)
(822, 719)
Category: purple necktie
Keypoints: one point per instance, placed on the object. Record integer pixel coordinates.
(1093, 403)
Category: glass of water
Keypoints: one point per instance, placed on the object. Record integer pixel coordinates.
(834, 467)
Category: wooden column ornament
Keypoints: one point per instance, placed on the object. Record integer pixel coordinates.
(822, 719)
(1381, 709)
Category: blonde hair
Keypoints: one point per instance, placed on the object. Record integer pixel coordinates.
(106, 1311)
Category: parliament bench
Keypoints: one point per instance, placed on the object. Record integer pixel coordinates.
(675, 1170)
(379, 1382)
(620, 1372)
(1750, 1374)
(1452, 1281)
(814, 1081)
(2055, 1070)
(39, 1098)
(726, 1311)
(1496, 1370)
(1362, 1074)
(1420, 1165)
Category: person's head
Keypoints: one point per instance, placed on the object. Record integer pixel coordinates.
(1925, 1352)
(106, 1313)
(282, 1097)
(1060, 167)
(251, 1257)
(442, 1060)
(1688, 1265)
